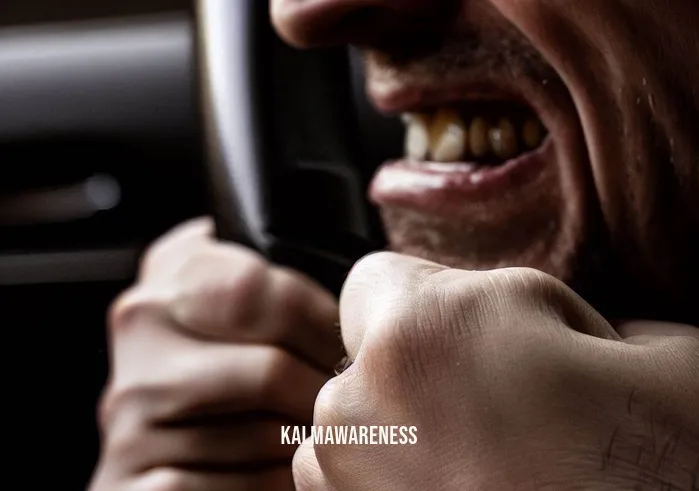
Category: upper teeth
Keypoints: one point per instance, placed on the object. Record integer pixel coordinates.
(478, 141)
(445, 137)
(417, 138)
(503, 139)
(532, 133)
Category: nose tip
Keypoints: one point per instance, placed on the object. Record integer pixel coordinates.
(303, 23)
(311, 23)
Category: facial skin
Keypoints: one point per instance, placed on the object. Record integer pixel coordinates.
(614, 212)
(513, 381)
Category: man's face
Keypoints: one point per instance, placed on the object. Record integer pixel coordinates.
(556, 134)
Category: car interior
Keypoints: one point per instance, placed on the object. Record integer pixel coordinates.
(100, 154)
(119, 120)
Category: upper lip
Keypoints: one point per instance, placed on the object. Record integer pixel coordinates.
(397, 94)
(410, 97)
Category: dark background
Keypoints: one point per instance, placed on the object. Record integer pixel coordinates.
(37, 11)
(57, 277)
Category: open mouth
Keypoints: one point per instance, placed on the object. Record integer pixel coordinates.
(494, 169)
(475, 136)
(463, 149)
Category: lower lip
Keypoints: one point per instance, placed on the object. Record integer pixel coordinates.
(443, 189)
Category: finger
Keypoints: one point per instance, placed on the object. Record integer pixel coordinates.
(185, 480)
(230, 294)
(168, 249)
(208, 443)
(379, 284)
(314, 335)
(195, 230)
(308, 475)
(211, 380)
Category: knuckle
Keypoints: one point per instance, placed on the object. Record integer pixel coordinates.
(403, 335)
(126, 442)
(541, 295)
(481, 295)
(378, 260)
(395, 336)
(289, 298)
(405, 358)
(523, 282)
(230, 285)
(407, 328)
(134, 306)
(242, 267)
(142, 402)
(114, 402)
(164, 480)
(372, 267)
(329, 404)
(304, 470)
(251, 281)
(105, 408)
(291, 295)
(159, 256)
(278, 369)
(292, 300)
(151, 257)
(183, 237)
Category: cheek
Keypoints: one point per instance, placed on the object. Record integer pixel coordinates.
(549, 25)
(530, 16)
(617, 31)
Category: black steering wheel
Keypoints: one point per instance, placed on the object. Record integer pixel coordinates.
(292, 143)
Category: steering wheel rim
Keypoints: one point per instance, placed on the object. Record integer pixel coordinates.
(287, 159)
